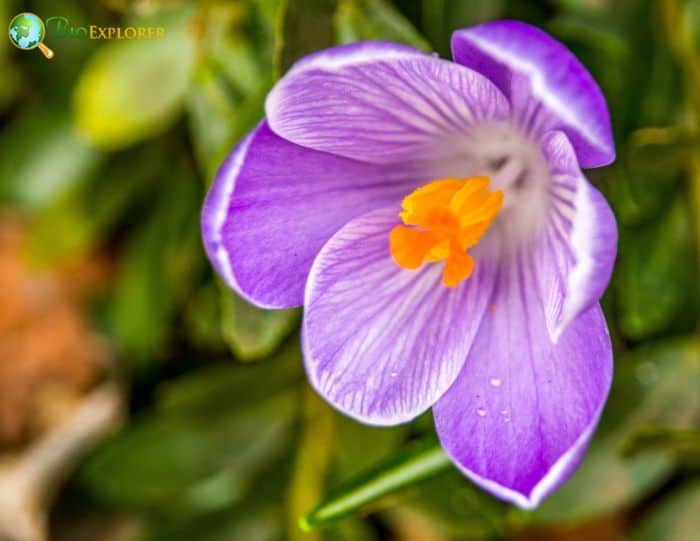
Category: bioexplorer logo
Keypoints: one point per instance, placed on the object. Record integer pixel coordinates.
(27, 31)
(60, 27)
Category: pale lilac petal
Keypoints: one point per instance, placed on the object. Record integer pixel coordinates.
(547, 86)
(360, 51)
(520, 415)
(382, 343)
(382, 103)
(577, 248)
(273, 205)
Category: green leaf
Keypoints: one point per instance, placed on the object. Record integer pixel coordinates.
(131, 90)
(217, 120)
(646, 178)
(8, 73)
(312, 460)
(682, 445)
(210, 110)
(202, 319)
(375, 19)
(656, 274)
(677, 518)
(439, 18)
(227, 385)
(263, 523)
(306, 26)
(231, 81)
(358, 447)
(80, 219)
(257, 517)
(417, 463)
(250, 110)
(42, 157)
(468, 512)
(662, 151)
(207, 438)
(238, 62)
(253, 333)
(158, 268)
(351, 530)
(592, 30)
(184, 465)
(654, 386)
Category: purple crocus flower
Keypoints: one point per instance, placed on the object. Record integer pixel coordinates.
(433, 220)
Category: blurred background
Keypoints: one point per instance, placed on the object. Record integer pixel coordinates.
(141, 400)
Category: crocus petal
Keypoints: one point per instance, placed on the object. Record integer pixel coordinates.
(360, 51)
(274, 204)
(547, 86)
(381, 103)
(521, 413)
(577, 247)
(382, 343)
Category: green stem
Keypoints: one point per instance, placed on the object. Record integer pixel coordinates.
(313, 459)
(417, 463)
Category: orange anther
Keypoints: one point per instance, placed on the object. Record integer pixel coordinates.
(442, 220)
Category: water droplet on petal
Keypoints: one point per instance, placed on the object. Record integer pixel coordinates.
(394, 374)
(481, 412)
(495, 382)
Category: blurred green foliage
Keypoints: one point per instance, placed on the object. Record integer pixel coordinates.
(109, 148)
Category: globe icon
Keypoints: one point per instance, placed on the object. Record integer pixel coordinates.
(26, 30)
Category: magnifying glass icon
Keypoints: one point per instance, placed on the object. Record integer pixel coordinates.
(27, 32)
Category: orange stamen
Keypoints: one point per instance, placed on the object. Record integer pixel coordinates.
(444, 219)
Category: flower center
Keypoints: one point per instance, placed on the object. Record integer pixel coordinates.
(442, 220)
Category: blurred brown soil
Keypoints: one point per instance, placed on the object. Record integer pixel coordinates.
(49, 353)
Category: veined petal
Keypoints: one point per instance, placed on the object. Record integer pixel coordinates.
(382, 343)
(577, 247)
(547, 86)
(274, 204)
(522, 411)
(382, 103)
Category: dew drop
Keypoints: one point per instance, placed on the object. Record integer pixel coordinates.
(495, 382)
(394, 374)
(481, 412)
